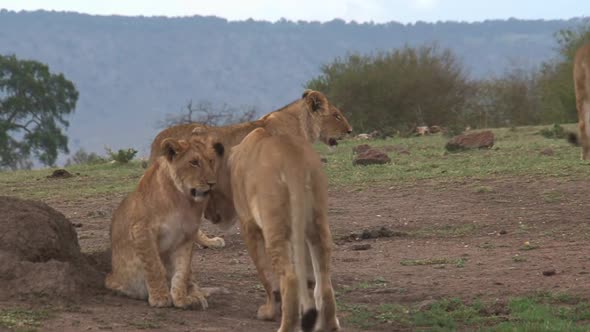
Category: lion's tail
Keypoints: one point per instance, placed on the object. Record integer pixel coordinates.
(300, 211)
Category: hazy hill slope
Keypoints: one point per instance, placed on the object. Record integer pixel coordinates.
(131, 71)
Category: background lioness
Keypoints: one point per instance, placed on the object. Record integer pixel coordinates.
(280, 193)
(152, 230)
(582, 90)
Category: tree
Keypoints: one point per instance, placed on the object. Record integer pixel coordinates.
(205, 113)
(33, 107)
(511, 100)
(398, 89)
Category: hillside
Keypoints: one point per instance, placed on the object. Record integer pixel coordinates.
(132, 71)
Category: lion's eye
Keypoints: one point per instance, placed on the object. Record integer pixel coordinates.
(195, 163)
(337, 116)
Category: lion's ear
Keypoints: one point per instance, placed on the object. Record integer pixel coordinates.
(315, 99)
(171, 148)
(306, 92)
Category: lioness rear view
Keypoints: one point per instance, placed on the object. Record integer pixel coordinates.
(152, 231)
(582, 88)
(280, 194)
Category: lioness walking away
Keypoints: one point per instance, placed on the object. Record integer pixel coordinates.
(152, 231)
(280, 194)
(582, 88)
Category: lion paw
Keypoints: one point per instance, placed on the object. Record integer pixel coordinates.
(160, 300)
(198, 297)
(216, 243)
(266, 312)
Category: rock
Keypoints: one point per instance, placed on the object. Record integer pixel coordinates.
(363, 136)
(371, 157)
(359, 247)
(547, 152)
(40, 254)
(60, 174)
(361, 148)
(396, 148)
(549, 273)
(502, 232)
(478, 140)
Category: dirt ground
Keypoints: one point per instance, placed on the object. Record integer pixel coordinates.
(503, 233)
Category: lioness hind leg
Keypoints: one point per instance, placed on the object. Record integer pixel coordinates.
(321, 250)
(278, 252)
(127, 276)
(255, 245)
(584, 126)
(210, 242)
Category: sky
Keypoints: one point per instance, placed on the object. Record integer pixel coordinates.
(378, 11)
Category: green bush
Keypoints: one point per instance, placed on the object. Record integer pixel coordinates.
(555, 132)
(81, 157)
(122, 156)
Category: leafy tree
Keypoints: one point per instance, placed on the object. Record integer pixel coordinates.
(397, 90)
(511, 100)
(33, 107)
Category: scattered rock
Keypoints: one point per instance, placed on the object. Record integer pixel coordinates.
(502, 232)
(40, 254)
(479, 140)
(422, 130)
(396, 148)
(371, 157)
(549, 273)
(60, 174)
(359, 247)
(374, 233)
(547, 152)
(77, 225)
(361, 148)
(363, 136)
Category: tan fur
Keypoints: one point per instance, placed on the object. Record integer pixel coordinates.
(280, 193)
(582, 89)
(294, 119)
(152, 230)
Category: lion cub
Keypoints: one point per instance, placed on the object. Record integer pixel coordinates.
(152, 230)
(280, 194)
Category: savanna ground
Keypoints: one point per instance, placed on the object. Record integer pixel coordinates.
(481, 240)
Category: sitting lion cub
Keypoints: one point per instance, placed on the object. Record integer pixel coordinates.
(280, 194)
(152, 230)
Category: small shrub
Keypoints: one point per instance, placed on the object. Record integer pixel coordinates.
(81, 157)
(555, 132)
(122, 156)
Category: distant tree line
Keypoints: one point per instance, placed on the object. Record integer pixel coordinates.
(395, 91)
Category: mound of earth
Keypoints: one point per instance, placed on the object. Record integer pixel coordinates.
(40, 254)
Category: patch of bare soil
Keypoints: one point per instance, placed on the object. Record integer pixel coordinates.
(489, 239)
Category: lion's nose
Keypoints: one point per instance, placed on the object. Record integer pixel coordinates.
(349, 130)
(211, 183)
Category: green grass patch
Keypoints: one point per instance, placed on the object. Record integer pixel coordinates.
(20, 319)
(515, 153)
(539, 312)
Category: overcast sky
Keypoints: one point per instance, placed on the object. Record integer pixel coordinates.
(322, 10)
